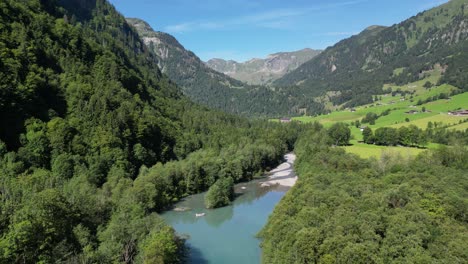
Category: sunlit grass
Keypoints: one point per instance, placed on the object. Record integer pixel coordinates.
(440, 118)
(397, 117)
(462, 126)
(367, 151)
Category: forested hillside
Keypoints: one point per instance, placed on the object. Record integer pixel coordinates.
(396, 209)
(94, 140)
(358, 67)
(198, 81)
(214, 89)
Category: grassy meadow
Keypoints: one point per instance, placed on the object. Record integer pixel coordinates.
(367, 151)
(399, 105)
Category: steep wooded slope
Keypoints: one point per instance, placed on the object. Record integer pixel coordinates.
(95, 140)
(359, 66)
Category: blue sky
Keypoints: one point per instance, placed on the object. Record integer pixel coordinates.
(245, 29)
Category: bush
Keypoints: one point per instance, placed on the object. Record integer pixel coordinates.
(220, 194)
(428, 85)
(368, 135)
(340, 134)
(370, 118)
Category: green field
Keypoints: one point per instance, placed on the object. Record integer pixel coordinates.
(462, 126)
(440, 118)
(367, 151)
(436, 112)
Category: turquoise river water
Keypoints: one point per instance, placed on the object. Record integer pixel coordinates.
(226, 235)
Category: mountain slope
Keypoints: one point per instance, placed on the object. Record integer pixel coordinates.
(359, 66)
(198, 81)
(95, 140)
(211, 88)
(79, 115)
(263, 71)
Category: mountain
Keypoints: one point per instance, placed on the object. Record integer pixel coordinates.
(358, 67)
(212, 88)
(199, 82)
(95, 140)
(181, 65)
(263, 71)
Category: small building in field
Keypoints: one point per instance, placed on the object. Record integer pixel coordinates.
(362, 128)
(412, 112)
(459, 113)
(285, 120)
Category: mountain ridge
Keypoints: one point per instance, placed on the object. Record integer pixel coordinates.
(359, 66)
(185, 68)
(346, 74)
(212, 88)
(263, 71)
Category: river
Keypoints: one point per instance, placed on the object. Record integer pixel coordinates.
(228, 235)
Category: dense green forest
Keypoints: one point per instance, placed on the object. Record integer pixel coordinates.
(94, 140)
(358, 67)
(396, 209)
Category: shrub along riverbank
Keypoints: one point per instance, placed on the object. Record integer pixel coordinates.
(221, 193)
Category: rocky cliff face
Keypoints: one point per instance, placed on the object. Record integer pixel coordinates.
(169, 51)
(263, 71)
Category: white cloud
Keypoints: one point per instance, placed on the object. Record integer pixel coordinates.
(270, 19)
(276, 18)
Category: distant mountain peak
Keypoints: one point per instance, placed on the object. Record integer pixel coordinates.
(140, 24)
(263, 71)
(374, 27)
